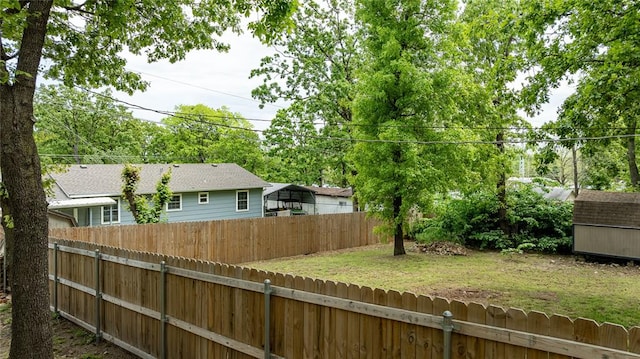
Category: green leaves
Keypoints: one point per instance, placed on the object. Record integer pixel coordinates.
(142, 210)
(86, 42)
(74, 126)
(199, 134)
(314, 69)
(596, 45)
(401, 93)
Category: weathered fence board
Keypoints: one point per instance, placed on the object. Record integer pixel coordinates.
(216, 310)
(235, 241)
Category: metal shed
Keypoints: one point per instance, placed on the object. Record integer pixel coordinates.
(285, 199)
(607, 224)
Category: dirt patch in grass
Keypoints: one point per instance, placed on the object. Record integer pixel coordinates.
(69, 340)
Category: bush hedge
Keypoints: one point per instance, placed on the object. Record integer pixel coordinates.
(535, 223)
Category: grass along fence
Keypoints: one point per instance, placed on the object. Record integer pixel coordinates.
(235, 241)
(168, 307)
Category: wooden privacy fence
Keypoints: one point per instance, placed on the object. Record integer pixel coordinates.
(235, 241)
(169, 307)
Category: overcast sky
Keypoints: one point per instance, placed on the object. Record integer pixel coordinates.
(207, 77)
(222, 79)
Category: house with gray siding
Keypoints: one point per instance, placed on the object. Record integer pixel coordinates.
(92, 193)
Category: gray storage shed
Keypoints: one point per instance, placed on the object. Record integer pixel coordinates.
(607, 224)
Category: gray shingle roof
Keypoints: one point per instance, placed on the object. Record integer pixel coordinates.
(332, 191)
(105, 180)
(607, 208)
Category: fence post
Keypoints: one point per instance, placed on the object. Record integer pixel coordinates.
(267, 318)
(55, 277)
(447, 328)
(163, 310)
(98, 294)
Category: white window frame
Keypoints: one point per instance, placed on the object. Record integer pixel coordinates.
(166, 206)
(200, 197)
(238, 200)
(117, 205)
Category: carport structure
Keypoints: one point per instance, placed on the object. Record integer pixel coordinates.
(284, 199)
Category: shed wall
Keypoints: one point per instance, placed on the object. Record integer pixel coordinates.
(607, 241)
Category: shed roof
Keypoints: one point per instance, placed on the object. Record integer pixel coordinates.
(331, 191)
(100, 180)
(275, 187)
(607, 208)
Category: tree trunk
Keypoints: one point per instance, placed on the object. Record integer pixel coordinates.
(398, 238)
(574, 157)
(501, 187)
(30, 326)
(631, 157)
(26, 201)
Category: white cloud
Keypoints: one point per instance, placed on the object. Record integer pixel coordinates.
(208, 77)
(222, 79)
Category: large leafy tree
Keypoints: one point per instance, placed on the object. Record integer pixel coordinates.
(404, 99)
(595, 44)
(293, 148)
(82, 43)
(493, 52)
(74, 126)
(204, 135)
(313, 69)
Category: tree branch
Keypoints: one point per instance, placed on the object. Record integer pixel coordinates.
(4, 56)
(32, 42)
(78, 8)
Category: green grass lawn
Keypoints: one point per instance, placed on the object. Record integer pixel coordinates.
(550, 284)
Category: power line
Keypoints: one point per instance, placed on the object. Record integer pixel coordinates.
(204, 88)
(354, 140)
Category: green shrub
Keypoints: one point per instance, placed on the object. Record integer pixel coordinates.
(535, 223)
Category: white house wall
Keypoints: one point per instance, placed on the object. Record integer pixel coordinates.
(332, 205)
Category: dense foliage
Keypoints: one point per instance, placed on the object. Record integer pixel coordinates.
(535, 223)
(143, 209)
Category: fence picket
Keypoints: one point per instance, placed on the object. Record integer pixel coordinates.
(458, 342)
(613, 336)
(394, 300)
(560, 327)
(341, 323)
(423, 334)
(634, 340)
(382, 336)
(408, 335)
(330, 334)
(496, 317)
(517, 320)
(368, 325)
(586, 331)
(311, 315)
(440, 305)
(298, 310)
(354, 322)
(538, 323)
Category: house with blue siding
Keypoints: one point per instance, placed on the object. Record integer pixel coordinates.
(92, 193)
